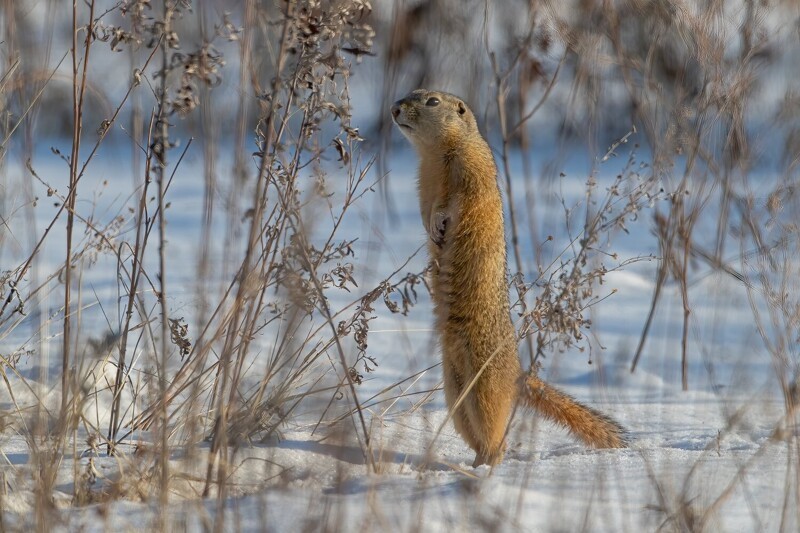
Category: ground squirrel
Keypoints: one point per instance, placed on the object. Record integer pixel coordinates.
(462, 211)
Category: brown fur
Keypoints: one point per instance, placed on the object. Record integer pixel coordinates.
(462, 211)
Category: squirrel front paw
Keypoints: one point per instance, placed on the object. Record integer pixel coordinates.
(438, 227)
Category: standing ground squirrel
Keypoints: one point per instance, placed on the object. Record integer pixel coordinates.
(462, 211)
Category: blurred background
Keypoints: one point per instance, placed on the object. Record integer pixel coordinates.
(605, 66)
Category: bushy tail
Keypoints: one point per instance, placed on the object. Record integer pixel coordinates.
(592, 427)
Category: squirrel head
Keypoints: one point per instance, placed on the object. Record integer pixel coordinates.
(434, 120)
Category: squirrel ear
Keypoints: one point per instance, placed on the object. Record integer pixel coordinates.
(461, 108)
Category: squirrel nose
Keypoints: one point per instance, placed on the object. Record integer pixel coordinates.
(395, 110)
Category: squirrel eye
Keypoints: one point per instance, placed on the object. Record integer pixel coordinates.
(432, 101)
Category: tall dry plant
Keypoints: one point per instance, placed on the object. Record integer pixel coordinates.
(171, 388)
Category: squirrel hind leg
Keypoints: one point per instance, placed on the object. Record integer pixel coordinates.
(484, 459)
(488, 410)
(488, 454)
(485, 436)
(452, 390)
(590, 426)
(485, 453)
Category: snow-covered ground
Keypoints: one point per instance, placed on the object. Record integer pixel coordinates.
(709, 458)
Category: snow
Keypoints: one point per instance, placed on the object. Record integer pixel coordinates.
(682, 454)
(719, 457)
